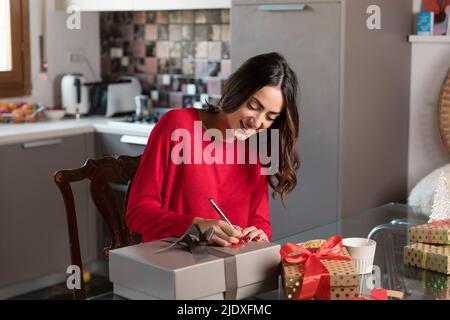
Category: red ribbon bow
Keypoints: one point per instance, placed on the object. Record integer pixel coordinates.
(316, 278)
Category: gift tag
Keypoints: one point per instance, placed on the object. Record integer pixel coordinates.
(383, 294)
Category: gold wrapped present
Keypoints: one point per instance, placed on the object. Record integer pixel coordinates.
(428, 256)
(433, 233)
(343, 276)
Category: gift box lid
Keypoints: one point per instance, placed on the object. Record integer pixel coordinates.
(177, 274)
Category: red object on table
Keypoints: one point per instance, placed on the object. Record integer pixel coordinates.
(379, 294)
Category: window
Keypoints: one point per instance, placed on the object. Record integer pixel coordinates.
(14, 48)
(5, 36)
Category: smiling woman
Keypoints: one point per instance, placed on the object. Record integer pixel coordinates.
(14, 48)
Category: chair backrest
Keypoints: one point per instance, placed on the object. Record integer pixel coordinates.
(102, 173)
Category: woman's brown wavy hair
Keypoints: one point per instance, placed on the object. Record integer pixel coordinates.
(270, 69)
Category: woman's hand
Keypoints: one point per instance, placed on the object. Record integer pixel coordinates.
(251, 233)
(224, 235)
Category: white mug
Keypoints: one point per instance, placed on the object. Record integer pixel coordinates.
(362, 251)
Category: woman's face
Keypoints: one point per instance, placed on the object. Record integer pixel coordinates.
(257, 113)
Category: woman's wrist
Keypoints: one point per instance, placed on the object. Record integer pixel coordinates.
(197, 220)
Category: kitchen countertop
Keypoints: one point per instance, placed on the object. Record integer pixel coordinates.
(45, 129)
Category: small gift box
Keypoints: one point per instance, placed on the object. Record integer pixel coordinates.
(318, 269)
(437, 232)
(190, 269)
(427, 256)
(437, 285)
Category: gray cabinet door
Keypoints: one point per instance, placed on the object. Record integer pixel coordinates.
(33, 227)
(111, 145)
(310, 41)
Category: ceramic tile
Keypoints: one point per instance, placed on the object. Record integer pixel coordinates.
(226, 50)
(225, 68)
(127, 48)
(151, 65)
(163, 65)
(188, 67)
(163, 32)
(175, 49)
(139, 32)
(175, 16)
(201, 32)
(214, 50)
(214, 86)
(125, 61)
(162, 49)
(176, 100)
(175, 66)
(174, 32)
(213, 69)
(213, 16)
(201, 49)
(150, 49)
(127, 32)
(139, 49)
(226, 32)
(151, 32)
(201, 68)
(139, 65)
(187, 16)
(162, 17)
(175, 84)
(187, 32)
(200, 16)
(215, 32)
(187, 49)
(151, 17)
(139, 17)
(225, 16)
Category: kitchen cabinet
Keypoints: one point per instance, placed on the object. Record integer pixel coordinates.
(117, 144)
(354, 101)
(33, 227)
(142, 5)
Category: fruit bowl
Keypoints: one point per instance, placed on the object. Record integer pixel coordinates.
(54, 114)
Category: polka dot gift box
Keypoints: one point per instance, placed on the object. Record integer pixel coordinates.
(343, 276)
(427, 256)
(433, 233)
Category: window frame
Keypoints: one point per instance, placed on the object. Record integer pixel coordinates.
(17, 82)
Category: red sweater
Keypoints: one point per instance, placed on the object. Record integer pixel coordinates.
(165, 196)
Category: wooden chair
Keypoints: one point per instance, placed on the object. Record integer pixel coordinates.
(101, 173)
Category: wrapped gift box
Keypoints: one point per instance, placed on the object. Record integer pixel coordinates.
(437, 285)
(223, 273)
(344, 278)
(428, 256)
(430, 233)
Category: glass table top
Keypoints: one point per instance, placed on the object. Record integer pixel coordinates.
(387, 225)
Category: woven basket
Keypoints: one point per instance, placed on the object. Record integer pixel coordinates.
(444, 112)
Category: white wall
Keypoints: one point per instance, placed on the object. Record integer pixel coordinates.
(60, 41)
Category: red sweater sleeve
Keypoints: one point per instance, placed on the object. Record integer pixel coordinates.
(259, 208)
(145, 214)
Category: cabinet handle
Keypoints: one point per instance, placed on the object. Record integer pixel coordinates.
(41, 143)
(134, 140)
(283, 7)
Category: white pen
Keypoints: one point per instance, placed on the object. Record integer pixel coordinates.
(222, 214)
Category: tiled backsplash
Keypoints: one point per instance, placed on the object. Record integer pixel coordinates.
(183, 55)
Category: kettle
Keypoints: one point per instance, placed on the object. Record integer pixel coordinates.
(74, 94)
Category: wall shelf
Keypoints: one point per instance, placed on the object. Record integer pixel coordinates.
(141, 5)
(429, 39)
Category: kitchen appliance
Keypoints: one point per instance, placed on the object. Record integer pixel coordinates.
(110, 98)
(74, 94)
